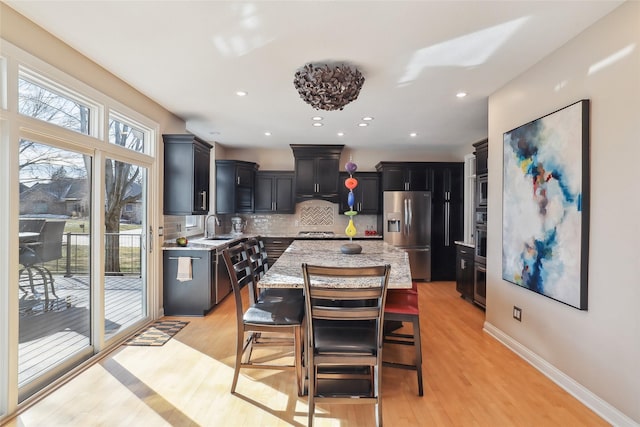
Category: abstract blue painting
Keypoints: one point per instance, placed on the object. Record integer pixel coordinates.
(545, 205)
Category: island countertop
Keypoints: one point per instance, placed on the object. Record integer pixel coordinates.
(286, 272)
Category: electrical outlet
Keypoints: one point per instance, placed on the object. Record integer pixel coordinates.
(517, 313)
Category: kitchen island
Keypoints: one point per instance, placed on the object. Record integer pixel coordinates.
(287, 270)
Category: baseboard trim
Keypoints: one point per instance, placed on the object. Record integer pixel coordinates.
(577, 390)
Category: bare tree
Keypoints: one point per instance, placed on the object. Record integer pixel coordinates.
(120, 178)
(39, 162)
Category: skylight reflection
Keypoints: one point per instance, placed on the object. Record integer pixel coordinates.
(611, 59)
(465, 51)
(246, 36)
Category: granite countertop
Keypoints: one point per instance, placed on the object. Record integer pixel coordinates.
(224, 240)
(199, 243)
(287, 271)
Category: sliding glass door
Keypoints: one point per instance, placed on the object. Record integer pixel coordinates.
(54, 298)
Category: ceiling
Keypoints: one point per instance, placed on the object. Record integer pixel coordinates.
(193, 56)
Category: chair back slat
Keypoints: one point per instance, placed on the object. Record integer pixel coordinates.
(240, 273)
(348, 302)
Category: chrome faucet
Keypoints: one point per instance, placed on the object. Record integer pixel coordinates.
(206, 226)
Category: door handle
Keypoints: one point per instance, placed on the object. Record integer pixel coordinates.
(150, 239)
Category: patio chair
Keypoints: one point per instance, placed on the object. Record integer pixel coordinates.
(33, 255)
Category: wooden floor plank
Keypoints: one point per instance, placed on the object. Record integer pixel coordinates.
(470, 379)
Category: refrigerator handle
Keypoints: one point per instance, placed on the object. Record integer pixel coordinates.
(410, 217)
(406, 216)
(446, 224)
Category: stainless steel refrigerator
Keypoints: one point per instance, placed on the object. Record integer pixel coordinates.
(407, 225)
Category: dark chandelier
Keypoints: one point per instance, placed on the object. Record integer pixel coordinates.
(327, 86)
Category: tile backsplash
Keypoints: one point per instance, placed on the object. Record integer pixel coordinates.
(311, 215)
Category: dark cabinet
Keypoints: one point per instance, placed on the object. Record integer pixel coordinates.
(316, 171)
(235, 181)
(367, 193)
(405, 176)
(192, 297)
(447, 218)
(482, 187)
(274, 192)
(465, 271)
(481, 150)
(186, 175)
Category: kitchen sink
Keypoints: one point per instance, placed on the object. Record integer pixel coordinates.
(221, 237)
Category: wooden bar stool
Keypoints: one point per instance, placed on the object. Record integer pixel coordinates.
(402, 306)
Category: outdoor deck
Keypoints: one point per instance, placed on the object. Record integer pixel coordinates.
(51, 333)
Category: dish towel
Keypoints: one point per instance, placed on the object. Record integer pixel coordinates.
(184, 269)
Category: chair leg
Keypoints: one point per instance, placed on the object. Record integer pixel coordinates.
(53, 291)
(312, 391)
(418, 345)
(297, 358)
(378, 404)
(239, 352)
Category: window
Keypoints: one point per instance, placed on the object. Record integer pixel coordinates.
(191, 221)
(39, 102)
(126, 135)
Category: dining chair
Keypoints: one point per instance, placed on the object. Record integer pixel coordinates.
(258, 255)
(33, 255)
(282, 319)
(344, 334)
(402, 307)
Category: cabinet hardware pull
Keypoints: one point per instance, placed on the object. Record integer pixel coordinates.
(238, 180)
(175, 257)
(204, 201)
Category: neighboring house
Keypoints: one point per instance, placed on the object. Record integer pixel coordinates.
(70, 197)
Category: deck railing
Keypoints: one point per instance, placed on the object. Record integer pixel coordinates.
(75, 255)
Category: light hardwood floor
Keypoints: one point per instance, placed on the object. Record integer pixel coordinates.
(470, 380)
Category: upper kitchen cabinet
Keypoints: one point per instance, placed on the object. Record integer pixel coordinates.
(235, 181)
(367, 193)
(186, 175)
(482, 156)
(405, 176)
(274, 192)
(316, 171)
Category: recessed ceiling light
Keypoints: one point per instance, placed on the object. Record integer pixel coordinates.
(267, 133)
(363, 124)
(241, 93)
(413, 134)
(340, 133)
(317, 124)
(461, 94)
(367, 118)
(316, 118)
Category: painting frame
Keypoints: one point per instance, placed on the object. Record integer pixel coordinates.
(545, 205)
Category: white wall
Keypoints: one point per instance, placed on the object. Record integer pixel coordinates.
(366, 159)
(600, 348)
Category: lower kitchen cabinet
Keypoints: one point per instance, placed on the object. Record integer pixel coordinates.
(275, 246)
(465, 271)
(196, 297)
